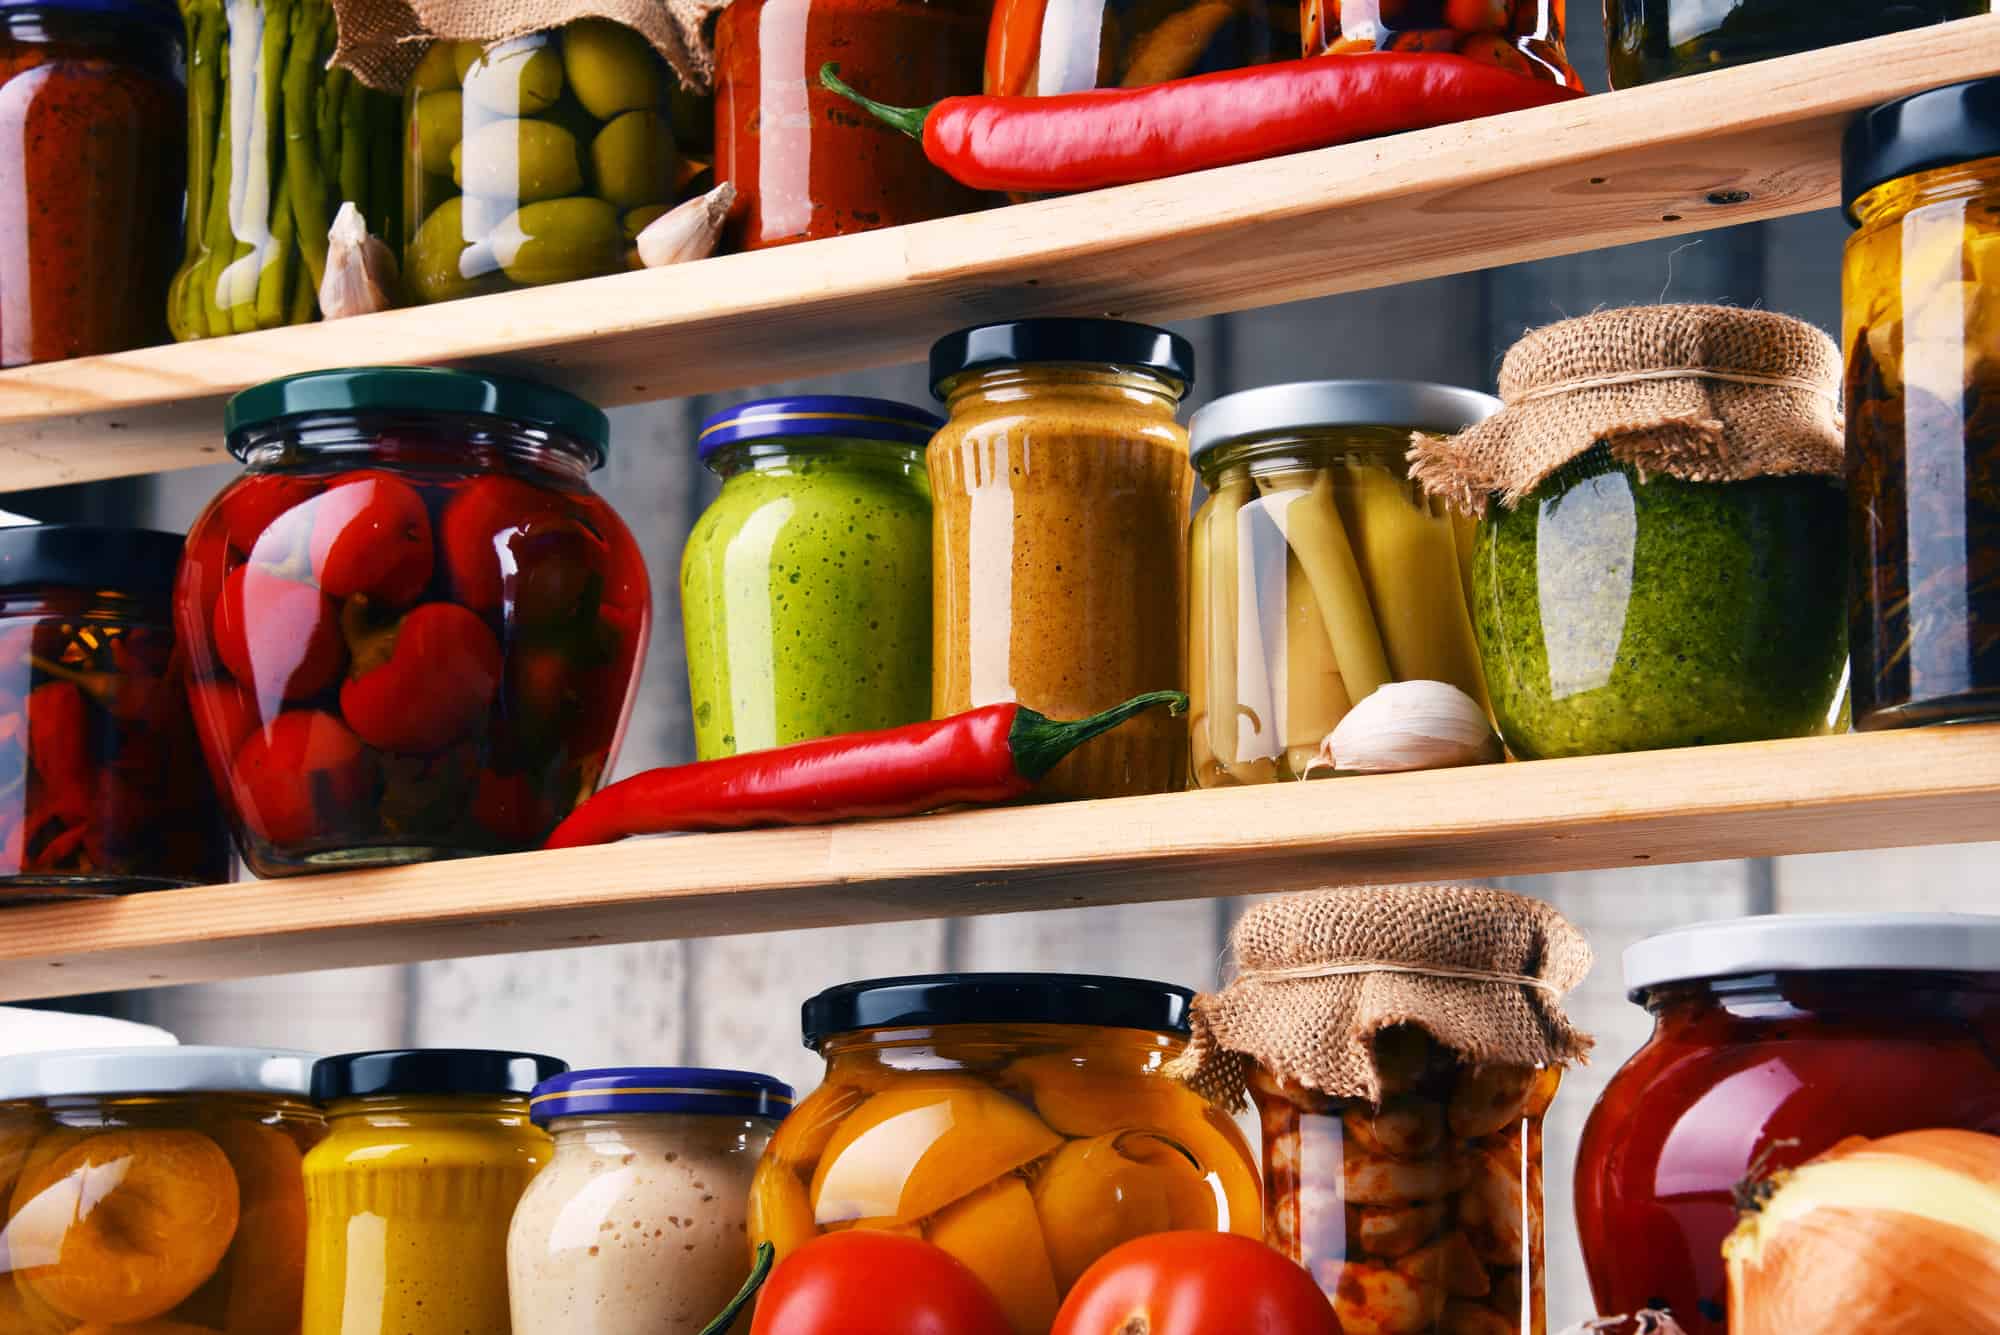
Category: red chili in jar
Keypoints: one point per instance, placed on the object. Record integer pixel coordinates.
(92, 170)
(414, 629)
(1774, 1038)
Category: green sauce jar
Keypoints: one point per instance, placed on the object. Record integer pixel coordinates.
(806, 584)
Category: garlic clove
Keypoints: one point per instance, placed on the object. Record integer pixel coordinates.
(360, 270)
(1408, 725)
(688, 231)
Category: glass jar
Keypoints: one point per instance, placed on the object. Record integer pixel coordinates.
(101, 787)
(806, 163)
(1019, 1121)
(154, 1190)
(1616, 612)
(276, 143)
(1773, 1039)
(1310, 498)
(806, 584)
(1525, 36)
(410, 1195)
(1061, 490)
(1921, 309)
(1650, 40)
(92, 168)
(1127, 44)
(541, 158)
(1423, 1214)
(638, 1224)
(414, 630)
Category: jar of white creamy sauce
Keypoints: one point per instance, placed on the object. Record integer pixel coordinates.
(636, 1227)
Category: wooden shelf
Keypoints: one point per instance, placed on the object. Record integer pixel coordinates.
(1723, 148)
(1880, 790)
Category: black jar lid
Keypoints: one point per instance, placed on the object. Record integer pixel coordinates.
(996, 998)
(1107, 342)
(154, 13)
(360, 1075)
(417, 389)
(1939, 128)
(89, 557)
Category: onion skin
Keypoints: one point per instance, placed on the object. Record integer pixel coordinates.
(1897, 1236)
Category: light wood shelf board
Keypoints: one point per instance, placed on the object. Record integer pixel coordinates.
(1601, 171)
(1932, 786)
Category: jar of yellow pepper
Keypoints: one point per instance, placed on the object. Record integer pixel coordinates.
(1025, 1123)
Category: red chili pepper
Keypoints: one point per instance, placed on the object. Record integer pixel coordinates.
(371, 535)
(988, 754)
(422, 683)
(278, 637)
(1115, 136)
(304, 776)
(59, 747)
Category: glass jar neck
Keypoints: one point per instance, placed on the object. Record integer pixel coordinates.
(88, 604)
(816, 453)
(425, 441)
(1869, 993)
(1961, 181)
(675, 1130)
(965, 1046)
(1127, 387)
(154, 47)
(416, 1111)
(1267, 456)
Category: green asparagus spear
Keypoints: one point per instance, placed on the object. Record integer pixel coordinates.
(218, 238)
(305, 298)
(204, 44)
(274, 279)
(305, 175)
(354, 142)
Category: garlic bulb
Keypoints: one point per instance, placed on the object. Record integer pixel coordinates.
(360, 270)
(688, 231)
(1408, 725)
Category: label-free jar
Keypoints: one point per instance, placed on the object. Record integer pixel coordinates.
(637, 1225)
(1651, 40)
(1061, 489)
(412, 1191)
(806, 584)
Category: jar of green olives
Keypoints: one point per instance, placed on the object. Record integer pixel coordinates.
(539, 159)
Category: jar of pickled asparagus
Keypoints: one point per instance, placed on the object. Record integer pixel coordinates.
(1317, 569)
(1525, 36)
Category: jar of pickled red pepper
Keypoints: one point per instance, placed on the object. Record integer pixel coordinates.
(1774, 1039)
(413, 629)
(91, 172)
(1020, 1121)
(101, 788)
(1921, 309)
(1046, 47)
(1525, 36)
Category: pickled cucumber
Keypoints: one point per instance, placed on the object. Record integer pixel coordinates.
(439, 120)
(558, 240)
(438, 69)
(611, 68)
(633, 160)
(527, 160)
(517, 78)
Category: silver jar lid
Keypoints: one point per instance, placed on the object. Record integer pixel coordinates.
(85, 1072)
(1416, 405)
(1815, 943)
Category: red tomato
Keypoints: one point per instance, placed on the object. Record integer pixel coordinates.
(1195, 1284)
(862, 1282)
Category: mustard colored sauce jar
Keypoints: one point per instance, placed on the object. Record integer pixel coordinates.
(410, 1196)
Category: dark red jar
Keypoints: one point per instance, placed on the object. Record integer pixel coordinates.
(414, 630)
(1773, 1039)
(101, 790)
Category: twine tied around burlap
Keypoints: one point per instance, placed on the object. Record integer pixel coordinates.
(381, 41)
(1318, 975)
(1701, 393)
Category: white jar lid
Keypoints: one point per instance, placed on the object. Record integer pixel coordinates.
(23, 1030)
(190, 1070)
(1815, 943)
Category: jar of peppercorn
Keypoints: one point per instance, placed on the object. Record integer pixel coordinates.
(100, 791)
(414, 630)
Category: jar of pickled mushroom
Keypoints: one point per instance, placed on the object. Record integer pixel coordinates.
(1035, 47)
(1774, 1039)
(541, 158)
(410, 1196)
(1317, 569)
(1525, 36)
(1921, 308)
(101, 788)
(154, 1190)
(1060, 489)
(413, 630)
(1022, 1122)
(1402, 1045)
(806, 584)
(1650, 40)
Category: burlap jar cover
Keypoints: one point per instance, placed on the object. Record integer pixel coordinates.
(381, 41)
(1701, 393)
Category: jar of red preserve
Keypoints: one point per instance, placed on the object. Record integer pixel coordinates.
(414, 630)
(1774, 1038)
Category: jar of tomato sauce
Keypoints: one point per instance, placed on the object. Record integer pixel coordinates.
(413, 629)
(1773, 1039)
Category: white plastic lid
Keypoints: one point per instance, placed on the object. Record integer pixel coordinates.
(190, 1070)
(1815, 943)
(54, 1031)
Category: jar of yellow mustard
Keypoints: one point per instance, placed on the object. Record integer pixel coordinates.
(1060, 491)
(1020, 1121)
(410, 1195)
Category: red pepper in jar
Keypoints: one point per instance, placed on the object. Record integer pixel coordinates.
(303, 776)
(277, 636)
(511, 806)
(477, 523)
(252, 507)
(371, 536)
(223, 712)
(421, 683)
(59, 747)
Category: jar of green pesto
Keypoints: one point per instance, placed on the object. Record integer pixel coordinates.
(806, 584)
(1659, 559)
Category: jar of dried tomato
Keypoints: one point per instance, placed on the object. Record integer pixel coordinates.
(806, 162)
(413, 629)
(1773, 1039)
(100, 789)
(92, 167)
(1525, 36)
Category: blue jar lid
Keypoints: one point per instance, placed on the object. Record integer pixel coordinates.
(659, 1089)
(847, 415)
